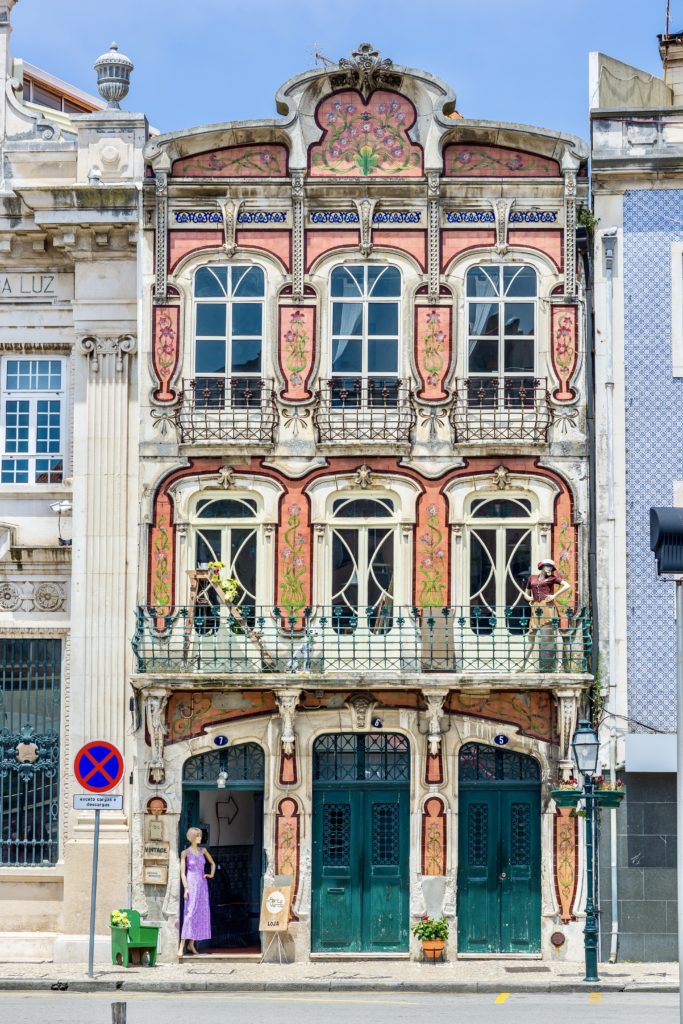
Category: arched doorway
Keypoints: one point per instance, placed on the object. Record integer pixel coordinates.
(361, 841)
(223, 795)
(499, 861)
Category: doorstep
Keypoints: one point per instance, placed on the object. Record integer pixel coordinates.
(499, 956)
(360, 956)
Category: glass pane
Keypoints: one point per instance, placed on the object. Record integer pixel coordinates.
(501, 508)
(347, 281)
(518, 562)
(482, 580)
(211, 282)
(380, 566)
(384, 282)
(226, 508)
(363, 508)
(34, 374)
(484, 318)
(483, 281)
(15, 471)
(247, 282)
(483, 356)
(347, 318)
(382, 357)
(246, 356)
(208, 547)
(247, 319)
(519, 318)
(47, 428)
(344, 577)
(211, 320)
(383, 318)
(243, 563)
(347, 357)
(519, 356)
(519, 281)
(16, 426)
(210, 357)
(49, 471)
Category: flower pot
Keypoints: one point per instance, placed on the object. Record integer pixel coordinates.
(609, 797)
(432, 949)
(566, 797)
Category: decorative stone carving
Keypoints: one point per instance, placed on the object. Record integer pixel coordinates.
(433, 235)
(567, 700)
(363, 477)
(366, 208)
(435, 702)
(161, 199)
(96, 348)
(163, 419)
(502, 212)
(225, 477)
(230, 209)
(32, 596)
(366, 69)
(361, 710)
(298, 249)
(570, 167)
(48, 597)
(10, 597)
(501, 478)
(155, 710)
(287, 701)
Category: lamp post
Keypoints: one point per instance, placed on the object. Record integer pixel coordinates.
(586, 746)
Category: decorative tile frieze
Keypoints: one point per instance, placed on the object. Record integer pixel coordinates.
(488, 217)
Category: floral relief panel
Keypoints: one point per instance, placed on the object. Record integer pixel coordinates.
(161, 555)
(564, 550)
(474, 161)
(297, 350)
(260, 160)
(434, 837)
(165, 349)
(294, 555)
(432, 350)
(564, 349)
(432, 551)
(566, 860)
(364, 139)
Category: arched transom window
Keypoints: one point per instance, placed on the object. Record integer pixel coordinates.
(228, 333)
(502, 315)
(363, 555)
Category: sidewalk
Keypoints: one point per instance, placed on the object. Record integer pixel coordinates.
(470, 976)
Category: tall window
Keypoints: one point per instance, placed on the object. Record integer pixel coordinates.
(365, 332)
(501, 303)
(228, 334)
(32, 421)
(226, 530)
(30, 691)
(500, 542)
(363, 541)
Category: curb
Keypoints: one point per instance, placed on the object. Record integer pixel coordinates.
(82, 985)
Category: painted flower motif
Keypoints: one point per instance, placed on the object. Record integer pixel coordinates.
(400, 116)
(299, 562)
(425, 539)
(398, 151)
(432, 317)
(295, 510)
(366, 129)
(379, 131)
(286, 554)
(343, 140)
(300, 539)
(514, 163)
(331, 118)
(266, 158)
(289, 336)
(427, 562)
(296, 378)
(439, 553)
(432, 379)
(431, 510)
(335, 151)
(168, 348)
(465, 157)
(562, 348)
(381, 107)
(350, 107)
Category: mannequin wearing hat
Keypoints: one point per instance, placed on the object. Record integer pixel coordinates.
(542, 597)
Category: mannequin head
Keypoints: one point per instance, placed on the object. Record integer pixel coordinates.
(546, 567)
(194, 835)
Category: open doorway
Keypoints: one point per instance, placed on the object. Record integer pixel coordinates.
(223, 795)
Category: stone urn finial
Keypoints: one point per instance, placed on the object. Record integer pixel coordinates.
(113, 76)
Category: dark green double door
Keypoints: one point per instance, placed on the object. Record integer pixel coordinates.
(499, 874)
(360, 869)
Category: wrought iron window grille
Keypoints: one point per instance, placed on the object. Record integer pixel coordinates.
(237, 410)
(494, 409)
(364, 409)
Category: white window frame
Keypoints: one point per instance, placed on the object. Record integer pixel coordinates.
(501, 300)
(363, 526)
(365, 299)
(228, 300)
(33, 397)
(254, 522)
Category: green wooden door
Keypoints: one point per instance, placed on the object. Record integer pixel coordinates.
(499, 856)
(360, 870)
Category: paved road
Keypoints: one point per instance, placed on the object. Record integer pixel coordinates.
(588, 1008)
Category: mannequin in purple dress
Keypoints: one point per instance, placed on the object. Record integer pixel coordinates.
(193, 863)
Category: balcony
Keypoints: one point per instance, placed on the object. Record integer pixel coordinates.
(237, 411)
(220, 639)
(495, 409)
(364, 409)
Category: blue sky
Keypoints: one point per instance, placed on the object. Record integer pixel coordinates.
(200, 61)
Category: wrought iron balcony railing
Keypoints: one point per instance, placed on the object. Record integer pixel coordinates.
(495, 409)
(227, 640)
(238, 410)
(364, 409)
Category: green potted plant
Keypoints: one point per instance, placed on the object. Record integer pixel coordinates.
(432, 933)
(568, 792)
(608, 795)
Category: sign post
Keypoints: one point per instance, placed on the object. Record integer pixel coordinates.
(98, 767)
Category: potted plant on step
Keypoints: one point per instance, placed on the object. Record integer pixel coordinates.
(432, 933)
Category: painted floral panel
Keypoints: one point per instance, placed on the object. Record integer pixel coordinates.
(431, 549)
(432, 349)
(264, 160)
(564, 349)
(165, 349)
(365, 139)
(434, 837)
(294, 570)
(162, 553)
(566, 861)
(473, 161)
(533, 712)
(297, 350)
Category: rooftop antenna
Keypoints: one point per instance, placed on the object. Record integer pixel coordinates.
(321, 59)
(666, 36)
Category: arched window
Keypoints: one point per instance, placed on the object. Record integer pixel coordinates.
(226, 530)
(500, 545)
(501, 313)
(363, 554)
(228, 364)
(365, 332)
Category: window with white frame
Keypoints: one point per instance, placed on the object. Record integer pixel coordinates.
(502, 327)
(226, 530)
(363, 543)
(365, 330)
(32, 428)
(500, 547)
(229, 329)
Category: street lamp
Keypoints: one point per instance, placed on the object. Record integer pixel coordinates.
(586, 746)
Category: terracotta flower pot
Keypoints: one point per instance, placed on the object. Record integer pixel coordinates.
(433, 948)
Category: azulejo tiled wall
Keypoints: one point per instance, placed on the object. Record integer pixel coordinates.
(654, 446)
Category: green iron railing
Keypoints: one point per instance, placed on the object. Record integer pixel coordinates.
(227, 640)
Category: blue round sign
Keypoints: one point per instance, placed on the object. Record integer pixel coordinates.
(220, 741)
(98, 766)
(501, 739)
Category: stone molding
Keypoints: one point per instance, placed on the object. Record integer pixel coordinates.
(32, 596)
(96, 348)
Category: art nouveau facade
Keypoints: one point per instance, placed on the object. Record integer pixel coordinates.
(362, 391)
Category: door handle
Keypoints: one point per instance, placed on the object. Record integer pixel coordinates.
(337, 889)
(502, 876)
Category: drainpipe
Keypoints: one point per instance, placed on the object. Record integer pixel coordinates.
(609, 239)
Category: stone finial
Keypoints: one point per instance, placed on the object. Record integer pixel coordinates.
(113, 76)
(366, 69)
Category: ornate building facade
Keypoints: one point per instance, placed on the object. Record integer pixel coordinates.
(362, 424)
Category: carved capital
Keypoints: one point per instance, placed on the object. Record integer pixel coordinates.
(287, 701)
(96, 348)
(361, 707)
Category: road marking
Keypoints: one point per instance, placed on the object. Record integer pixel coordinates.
(594, 997)
(502, 997)
(123, 996)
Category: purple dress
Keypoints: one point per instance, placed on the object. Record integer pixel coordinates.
(197, 919)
